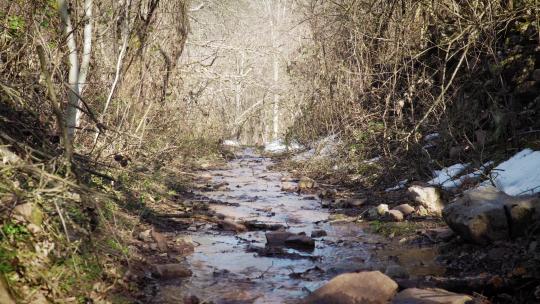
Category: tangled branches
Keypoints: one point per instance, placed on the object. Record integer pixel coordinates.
(383, 73)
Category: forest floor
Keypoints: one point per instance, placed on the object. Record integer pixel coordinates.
(249, 233)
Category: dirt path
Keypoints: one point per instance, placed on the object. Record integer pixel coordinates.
(239, 267)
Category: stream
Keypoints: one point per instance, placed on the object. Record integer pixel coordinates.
(227, 270)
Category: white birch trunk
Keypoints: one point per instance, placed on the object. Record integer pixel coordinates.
(87, 43)
(238, 87)
(77, 74)
(276, 98)
(73, 77)
(275, 68)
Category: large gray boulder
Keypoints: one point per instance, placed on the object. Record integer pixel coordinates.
(485, 214)
(354, 288)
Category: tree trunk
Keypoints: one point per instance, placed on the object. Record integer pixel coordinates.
(73, 78)
(126, 33)
(276, 99)
(77, 75)
(273, 12)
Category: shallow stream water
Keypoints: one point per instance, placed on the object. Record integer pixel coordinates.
(225, 271)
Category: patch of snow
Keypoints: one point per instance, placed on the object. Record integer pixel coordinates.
(429, 146)
(304, 155)
(400, 185)
(278, 146)
(445, 177)
(231, 143)
(477, 174)
(323, 148)
(295, 146)
(519, 175)
(328, 146)
(372, 161)
(431, 137)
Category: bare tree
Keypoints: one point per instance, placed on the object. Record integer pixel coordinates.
(77, 73)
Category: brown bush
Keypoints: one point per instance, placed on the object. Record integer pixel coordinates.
(383, 74)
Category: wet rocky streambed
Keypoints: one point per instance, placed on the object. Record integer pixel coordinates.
(291, 245)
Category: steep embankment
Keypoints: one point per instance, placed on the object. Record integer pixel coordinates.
(69, 233)
(383, 75)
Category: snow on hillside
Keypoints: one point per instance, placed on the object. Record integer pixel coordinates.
(519, 175)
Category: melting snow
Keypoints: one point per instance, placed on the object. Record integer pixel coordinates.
(328, 146)
(519, 175)
(278, 146)
(400, 185)
(324, 148)
(477, 174)
(429, 146)
(431, 137)
(304, 155)
(445, 177)
(372, 161)
(231, 143)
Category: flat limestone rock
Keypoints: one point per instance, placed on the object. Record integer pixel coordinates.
(300, 241)
(8, 157)
(354, 288)
(350, 203)
(283, 238)
(394, 215)
(256, 225)
(430, 296)
(171, 271)
(406, 209)
(277, 238)
(230, 225)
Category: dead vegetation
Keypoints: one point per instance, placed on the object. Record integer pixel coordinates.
(77, 177)
(383, 74)
(69, 203)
